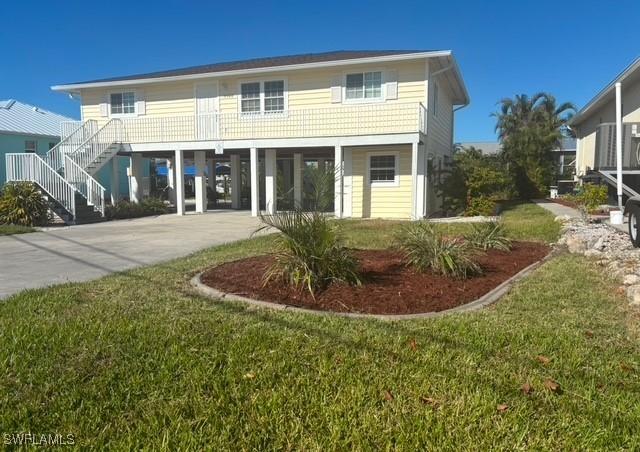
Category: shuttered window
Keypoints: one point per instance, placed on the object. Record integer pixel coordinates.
(365, 85)
(123, 103)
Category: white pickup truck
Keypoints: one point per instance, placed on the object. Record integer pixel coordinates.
(632, 209)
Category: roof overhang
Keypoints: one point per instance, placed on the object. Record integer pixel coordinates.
(607, 94)
(75, 88)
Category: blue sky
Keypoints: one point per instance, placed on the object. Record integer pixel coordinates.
(569, 48)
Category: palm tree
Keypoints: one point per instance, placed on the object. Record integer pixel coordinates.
(529, 129)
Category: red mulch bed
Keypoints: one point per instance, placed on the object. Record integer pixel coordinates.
(390, 287)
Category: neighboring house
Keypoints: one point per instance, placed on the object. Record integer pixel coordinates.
(565, 159)
(25, 128)
(487, 147)
(595, 128)
(383, 120)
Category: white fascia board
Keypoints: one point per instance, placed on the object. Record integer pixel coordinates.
(242, 72)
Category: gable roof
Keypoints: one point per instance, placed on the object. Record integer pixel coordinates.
(270, 64)
(607, 94)
(18, 117)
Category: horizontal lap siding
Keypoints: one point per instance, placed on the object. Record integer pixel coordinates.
(381, 202)
(307, 90)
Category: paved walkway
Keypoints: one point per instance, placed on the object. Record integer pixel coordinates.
(81, 253)
(557, 209)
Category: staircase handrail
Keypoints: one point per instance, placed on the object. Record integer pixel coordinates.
(85, 184)
(54, 156)
(112, 130)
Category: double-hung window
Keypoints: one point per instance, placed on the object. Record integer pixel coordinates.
(123, 103)
(30, 146)
(382, 169)
(364, 86)
(250, 97)
(262, 97)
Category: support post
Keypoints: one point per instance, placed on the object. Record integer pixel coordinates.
(179, 173)
(255, 182)
(297, 179)
(236, 181)
(200, 160)
(418, 170)
(338, 170)
(171, 180)
(115, 180)
(135, 171)
(347, 183)
(619, 142)
(270, 183)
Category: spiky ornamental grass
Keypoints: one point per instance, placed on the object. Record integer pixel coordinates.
(309, 252)
(22, 203)
(488, 235)
(426, 248)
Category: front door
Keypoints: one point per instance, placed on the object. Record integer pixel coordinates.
(206, 102)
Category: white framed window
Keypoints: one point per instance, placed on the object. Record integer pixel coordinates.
(436, 99)
(30, 146)
(383, 169)
(274, 96)
(263, 97)
(363, 86)
(123, 103)
(250, 97)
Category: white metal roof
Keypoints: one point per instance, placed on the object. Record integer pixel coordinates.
(17, 117)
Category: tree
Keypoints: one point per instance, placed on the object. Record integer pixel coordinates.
(529, 129)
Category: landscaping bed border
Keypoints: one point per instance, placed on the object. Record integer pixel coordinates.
(487, 299)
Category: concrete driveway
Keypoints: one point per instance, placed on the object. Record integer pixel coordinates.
(81, 253)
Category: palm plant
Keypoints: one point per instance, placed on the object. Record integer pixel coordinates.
(309, 251)
(529, 129)
(426, 248)
(23, 204)
(488, 235)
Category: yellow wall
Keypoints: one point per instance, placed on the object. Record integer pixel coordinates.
(381, 202)
(307, 90)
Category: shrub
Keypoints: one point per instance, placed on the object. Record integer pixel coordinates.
(23, 204)
(480, 205)
(127, 209)
(592, 196)
(309, 251)
(425, 248)
(490, 235)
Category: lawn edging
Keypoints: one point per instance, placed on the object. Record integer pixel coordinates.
(487, 299)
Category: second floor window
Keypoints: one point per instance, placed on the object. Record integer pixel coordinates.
(364, 85)
(262, 97)
(250, 102)
(30, 146)
(274, 96)
(123, 103)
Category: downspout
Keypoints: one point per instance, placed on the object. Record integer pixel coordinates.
(619, 142)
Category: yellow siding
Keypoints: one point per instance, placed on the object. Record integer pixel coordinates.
(307, 90)
(381, 202)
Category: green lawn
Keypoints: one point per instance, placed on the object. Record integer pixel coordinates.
(136, 360)
(10, 229)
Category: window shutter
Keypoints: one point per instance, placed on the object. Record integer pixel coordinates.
(336, 90)
(104, 106)
(391, 82)
(141, 104)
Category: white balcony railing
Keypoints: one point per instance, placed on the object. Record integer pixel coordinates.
(346, 120)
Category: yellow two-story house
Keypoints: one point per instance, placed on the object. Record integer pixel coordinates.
(381, 120)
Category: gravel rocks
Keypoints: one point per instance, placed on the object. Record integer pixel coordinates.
(609, 247)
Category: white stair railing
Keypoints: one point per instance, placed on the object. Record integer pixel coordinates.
(86, 185)
(70, 143)
(33, 168)
(93, 147)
